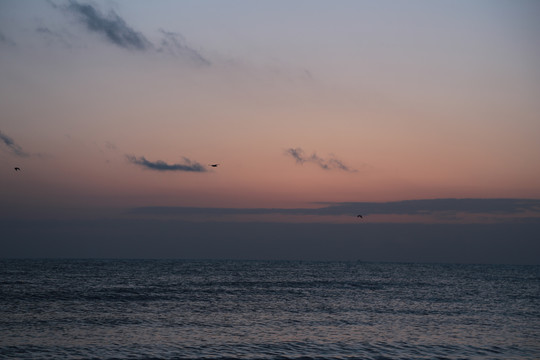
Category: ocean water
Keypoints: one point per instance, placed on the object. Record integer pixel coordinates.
(161, 309)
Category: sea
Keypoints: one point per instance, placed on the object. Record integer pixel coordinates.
(180, 309)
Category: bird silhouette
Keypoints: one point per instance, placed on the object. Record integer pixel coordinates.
(17, 169)
(214, 165)
(359, 216)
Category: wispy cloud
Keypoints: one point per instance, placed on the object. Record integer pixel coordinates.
(54, 36)
(12, 146)
(297, 154)
(433, 206)
(175, 45)
(327, 164)
(159, 165)
(116, 31)
(111, 146)
(441, 209)
(6, 40)
(111, 27)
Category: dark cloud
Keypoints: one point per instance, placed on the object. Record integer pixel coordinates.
(115, 30)
(409, 207)
(175, 45)
(338, 164)
(112, 27)
(431, 206)
(184, 210)
(53, 36)
(12, 147)
(159, 165)
(326, 164)
(5, 40)
(297, 154)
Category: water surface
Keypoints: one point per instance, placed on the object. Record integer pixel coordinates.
(140, 309)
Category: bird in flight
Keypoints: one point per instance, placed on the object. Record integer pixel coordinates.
(359, 216)
(17, 169)
(214, 165)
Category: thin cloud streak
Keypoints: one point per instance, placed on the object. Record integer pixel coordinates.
(408, 207)
(159, 165)
(434, 206)
(174, 44)
(116, 31)
(297, 154)
(112, 27)
(12, 146)
(333, 163)
(5, 40)
(54, 36)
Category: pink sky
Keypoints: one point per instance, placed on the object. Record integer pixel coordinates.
(418, 100)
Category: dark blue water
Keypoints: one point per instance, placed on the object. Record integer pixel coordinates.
(146, 309)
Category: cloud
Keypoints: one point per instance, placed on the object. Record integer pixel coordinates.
(332, 163)
(500, 207)
(110, 146)
(5, 40)
(116, 31)
(112, 27)
(297, 154)
(174, 44)
(433, 206)
(53, 36)
(12, 147)
(159, 165)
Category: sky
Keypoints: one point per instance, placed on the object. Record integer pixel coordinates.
(423, 116)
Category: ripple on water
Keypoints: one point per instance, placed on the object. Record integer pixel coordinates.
(266, 310)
